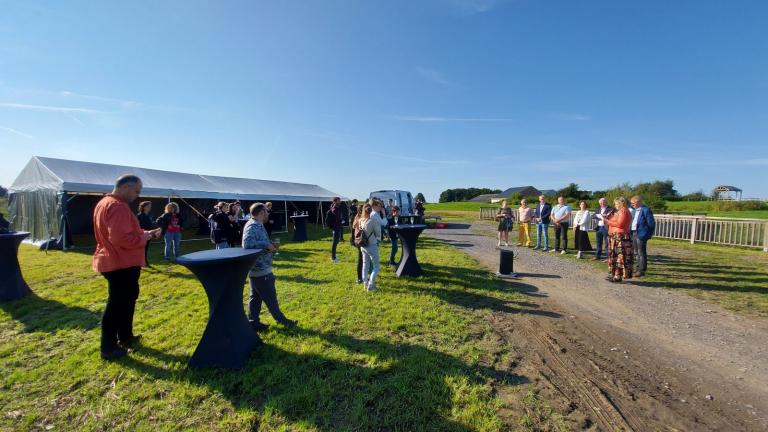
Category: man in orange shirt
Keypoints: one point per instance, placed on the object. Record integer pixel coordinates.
(119, 256)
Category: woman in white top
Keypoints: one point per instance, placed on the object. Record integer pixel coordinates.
(581, 229)
(371, 223)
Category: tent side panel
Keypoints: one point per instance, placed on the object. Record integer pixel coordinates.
(36, 212)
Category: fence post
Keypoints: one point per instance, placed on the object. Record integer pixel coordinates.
(765, 237)
(693, 230)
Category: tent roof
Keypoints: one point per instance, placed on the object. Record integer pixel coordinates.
(726, 188)
(42, 173)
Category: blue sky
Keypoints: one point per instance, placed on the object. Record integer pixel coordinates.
(418, 95)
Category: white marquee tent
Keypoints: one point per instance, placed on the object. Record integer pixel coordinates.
(42, 196)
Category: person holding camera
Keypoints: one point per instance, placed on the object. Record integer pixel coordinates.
(119, 256)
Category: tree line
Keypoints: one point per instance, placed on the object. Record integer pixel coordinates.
(464, 194)
(655, 194)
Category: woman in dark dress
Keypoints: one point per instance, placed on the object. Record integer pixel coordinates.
(505, 218)
(145, 222)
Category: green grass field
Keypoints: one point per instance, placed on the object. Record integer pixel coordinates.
(415, 356)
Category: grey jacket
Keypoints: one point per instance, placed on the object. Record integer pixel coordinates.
(255, 237)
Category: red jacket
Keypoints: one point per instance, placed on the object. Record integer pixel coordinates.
(119, 238)
(620, 222)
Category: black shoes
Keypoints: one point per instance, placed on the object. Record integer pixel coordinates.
(289, 323)
(259, 326)
(114, 354)
(130, 343)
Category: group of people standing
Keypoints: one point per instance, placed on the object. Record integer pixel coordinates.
(622, 232)
(122, 238)
(170, 224)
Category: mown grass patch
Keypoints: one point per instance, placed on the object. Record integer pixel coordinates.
(410, 357)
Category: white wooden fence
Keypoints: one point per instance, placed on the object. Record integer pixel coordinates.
(751, 233)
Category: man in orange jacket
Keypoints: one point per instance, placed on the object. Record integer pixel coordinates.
(119, 256)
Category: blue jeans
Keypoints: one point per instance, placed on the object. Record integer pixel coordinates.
(542, 228)
(393, 253)
(370, 263)
(222, 245)
(337, 233)
(602, 237)
(172, 240)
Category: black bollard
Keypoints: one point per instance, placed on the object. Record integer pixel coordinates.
(506, 262)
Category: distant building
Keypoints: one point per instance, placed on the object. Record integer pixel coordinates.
(724, 192)
(522, 190)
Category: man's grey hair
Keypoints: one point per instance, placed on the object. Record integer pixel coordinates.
(127, 179)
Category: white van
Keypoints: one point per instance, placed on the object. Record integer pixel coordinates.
(402, 199)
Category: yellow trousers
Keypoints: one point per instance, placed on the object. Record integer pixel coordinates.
(522, 232)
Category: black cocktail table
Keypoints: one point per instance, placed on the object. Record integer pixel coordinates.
(300, 227)
(409, 234)
(12, 284)
(228, 338)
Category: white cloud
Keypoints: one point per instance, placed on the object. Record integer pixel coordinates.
(16, 132)
(429, 119)
(50, 108)
(123, 103)
(433, 75)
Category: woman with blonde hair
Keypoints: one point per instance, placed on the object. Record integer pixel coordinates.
(505, 218)
(171, 222)
(371, 224)
(620, 257)
(356, 226)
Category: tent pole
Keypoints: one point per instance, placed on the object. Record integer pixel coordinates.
(285, 206)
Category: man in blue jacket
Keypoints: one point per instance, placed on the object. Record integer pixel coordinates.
(643, 227)
(542, 214)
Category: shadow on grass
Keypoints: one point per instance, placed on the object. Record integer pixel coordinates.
(703, 275)
(42, 315)
(379, 385)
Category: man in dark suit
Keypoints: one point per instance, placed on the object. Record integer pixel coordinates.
(643, 227)
(601, 229)
(542, 214)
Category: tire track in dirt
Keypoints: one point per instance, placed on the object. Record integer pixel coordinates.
(600, 377)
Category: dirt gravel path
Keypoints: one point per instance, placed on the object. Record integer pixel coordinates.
(625, 357)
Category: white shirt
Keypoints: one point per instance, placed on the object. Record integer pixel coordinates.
(581, 219)
(601, 221)
(635, 217)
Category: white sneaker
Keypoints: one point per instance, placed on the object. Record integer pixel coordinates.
(506, 244)
(562, 252)
(578, 255)
(498, 244)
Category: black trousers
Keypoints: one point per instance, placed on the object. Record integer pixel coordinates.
(336, 239)
(263, 290)
(359, 264)
(117, 322)
(146, 252)
(561, 230)
(639, 247)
